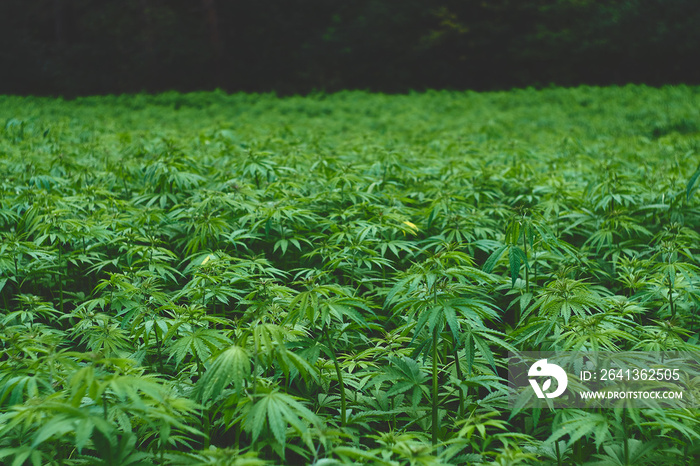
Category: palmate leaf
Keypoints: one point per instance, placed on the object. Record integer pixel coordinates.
(353, 455)
(348, 307)
(217, 457)
(200, 344)
(580, 423)
(231, 366)
(540, 327)
(14, 390)
(634, 453)
(124, 452)
(412, 281)
(516, 259)
(496, 385)
(685, 423)
(600, 331)
(306, 303)
(475, 308)
(563, 297)
(480, 423)
(432, 314)
(67, 420)
(452, 323)
(404, 374)
(132, 388)
(268, 339)
(271, 345)
(478, 337)
(23, 455)
(293, 364)
(324, 303)
(278, 410)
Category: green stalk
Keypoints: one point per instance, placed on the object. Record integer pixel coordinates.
(556, 448)
(158, 348)
(578, 454)
(19, 283)
(670, 296)
(255, 372)
(207, 428)
(352, 268)
(535, 277)
(60, 276)
(338, 372)
(237, 435)
(527, 268)
(460, 378)
(436, 427)
(4, 300)
(206, 422)
(625, 439)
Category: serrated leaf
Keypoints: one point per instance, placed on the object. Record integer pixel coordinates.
(493, 259)
(231, 366)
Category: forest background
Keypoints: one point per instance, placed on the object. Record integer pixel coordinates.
(84, 47)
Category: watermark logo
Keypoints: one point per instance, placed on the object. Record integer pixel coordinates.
(542, 368)
(603, 379)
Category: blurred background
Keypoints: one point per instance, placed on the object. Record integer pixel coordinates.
(78, 47)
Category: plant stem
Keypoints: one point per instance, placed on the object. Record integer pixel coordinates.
(436, 427)
(158, 348)
(207, 428)
(625, 438)
(670, 296)
(60, 276)
(527, 267)
(534, 278)
(556, 448)
(460, 377)
(339, 373)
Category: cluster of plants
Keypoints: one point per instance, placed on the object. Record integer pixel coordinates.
(338, 279)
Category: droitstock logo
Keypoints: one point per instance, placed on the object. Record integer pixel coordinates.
(603, 379)
(542, 369)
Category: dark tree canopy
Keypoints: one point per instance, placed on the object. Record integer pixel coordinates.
(74, 47)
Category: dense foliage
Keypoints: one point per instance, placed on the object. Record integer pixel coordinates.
(336, 279)
(79, 47)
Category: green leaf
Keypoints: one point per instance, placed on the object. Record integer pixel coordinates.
(452, 323)
(485, 351)
(231, 366)
(494, 258)
(515, 258)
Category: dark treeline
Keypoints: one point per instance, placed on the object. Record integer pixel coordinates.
(73, 47)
